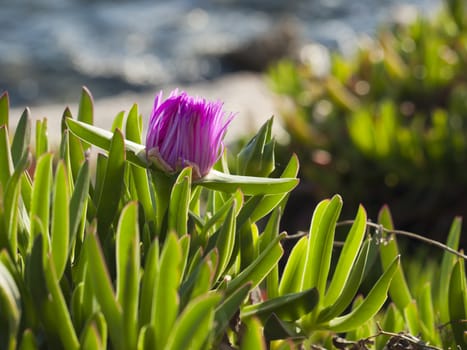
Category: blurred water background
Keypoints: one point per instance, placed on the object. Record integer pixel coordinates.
(49, 48)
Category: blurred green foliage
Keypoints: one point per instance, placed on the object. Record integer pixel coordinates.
(388, 125)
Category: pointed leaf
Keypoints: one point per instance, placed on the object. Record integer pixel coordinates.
(109, 197)
(253, 337)
(179, 203)
(229, 307)
(321, 243)
(6, 163)
(347, 258)
(275, 329)
(259, 268)
(78, 201)
(118, 121)
(10, 300)
(135, 153)
(269, 202)
(22, 137)
(42, 142)
(292, 277)
(249, 185)
(194, 324)
(4, 109)
(148, 281)
(226, 241)
(103, 290)
(86, 106)
(399, 290)
(288, 307)
(447, 265)
(166, 290)
(369, 306)
(458, 303)
(60, 220)
(128, 263)
(350, 289)
(40, 201)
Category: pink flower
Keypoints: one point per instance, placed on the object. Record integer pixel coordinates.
(186, 131)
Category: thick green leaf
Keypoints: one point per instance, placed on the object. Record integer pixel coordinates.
(458, 303)
(86, 106)
(148, 281)
(146, 338)
(59, 311)
(275, 329)
(78, 201)
(226, 240)
(91, 339)
(269, 202)
(60, 220)
(143, 189)
(447, 265)
(270, 232)
(257, 157)
(347, 258)
(320, 244)
(369, 306)
(86, 110)
(350, 289)
(110, 194)
(218, 217)
(229, 307)
(194, 325)
(166, 300)
(40, 201)
(199, 282)
(42, 142)
(288, 307)
(133, 128)
(310, 265)
(249, 185)
(77, 307)
(118, 121)
(75, 153)
(392, 321)
(399, 290)
(253, 337)
(6, 163)
(128, 263)
(259, 268)
(412, 318)
(180, 202)
(10, 300)
(94, 335)
(34, 274)
(103, 290)
(427, 315)
(135, 153)
(14, 210)
(292, 277)
(22, 137)
(28, 341)
(4, 109)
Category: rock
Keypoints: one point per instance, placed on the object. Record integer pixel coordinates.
(258, 53)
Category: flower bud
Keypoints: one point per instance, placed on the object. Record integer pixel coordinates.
(186, 131)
